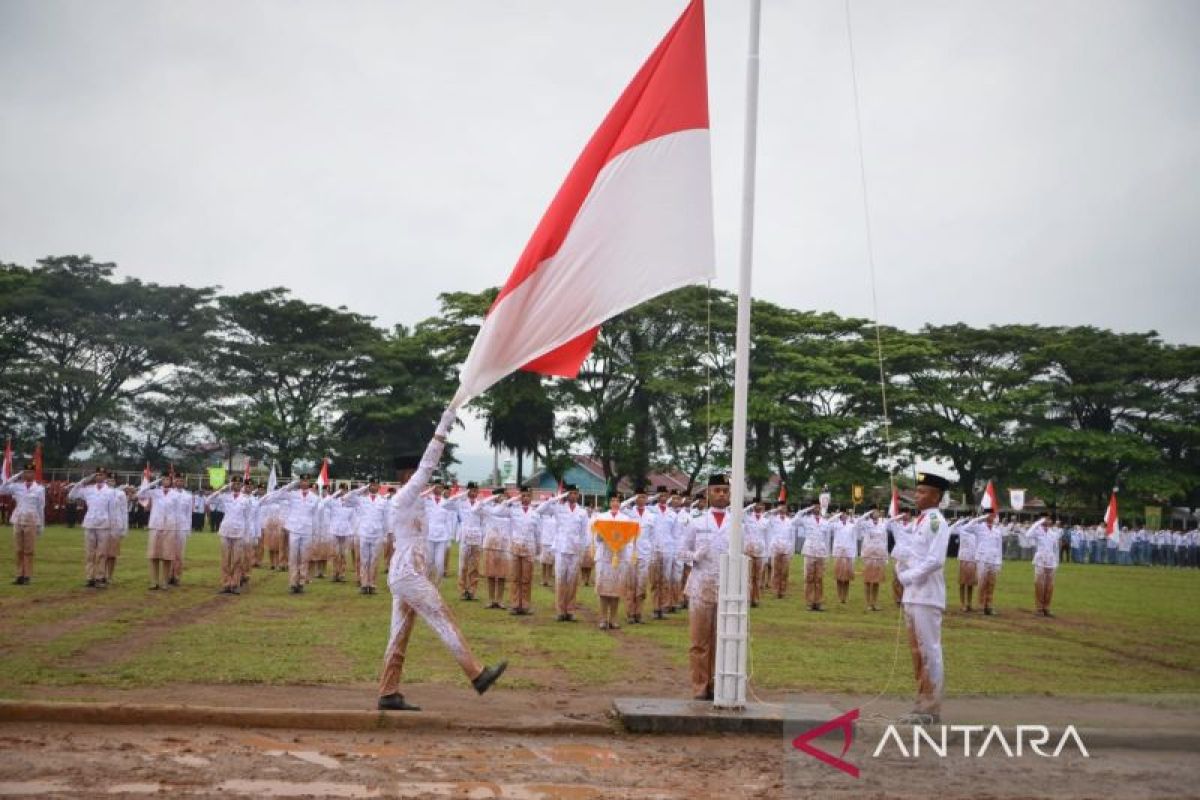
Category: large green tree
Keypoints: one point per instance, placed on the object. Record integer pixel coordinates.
(80, 345)
(284, 367)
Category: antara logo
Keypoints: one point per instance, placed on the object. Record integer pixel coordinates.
(937, 740)
(845, 723)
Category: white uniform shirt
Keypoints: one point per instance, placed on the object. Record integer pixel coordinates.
(816, 537)
(967, 543)
(845, 538)
(923, 578)
(573, 526)
(704, 541)
(370, 514)
(99, 503)
(439, 513)
(1046, 541)
(30, 499)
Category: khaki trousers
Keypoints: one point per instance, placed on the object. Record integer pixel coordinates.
(814, 580)
(987, 584)
(756, 570)
(521, 578)
(95, 553)
(781, 567)
(468, 568)
(660, 583)
(1043, 587)
(702, 655)
(24, 543)
(298, 547)
(566, 581)
(231, 562)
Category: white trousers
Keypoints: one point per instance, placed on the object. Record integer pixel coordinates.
(436, 559)
(925, 641)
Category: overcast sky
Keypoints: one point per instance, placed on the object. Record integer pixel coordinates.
(1027, 160)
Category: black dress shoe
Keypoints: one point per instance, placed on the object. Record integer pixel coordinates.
(395, 702)
(484, 680)
(658, 615)
(570, 617)
(19, 581)
(295, 589)
(561, 618)
(91, 584)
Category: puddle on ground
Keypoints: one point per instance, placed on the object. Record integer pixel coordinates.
(134, 788)
(309, 756)
(260, 788)
(18, 788)
(576, 754)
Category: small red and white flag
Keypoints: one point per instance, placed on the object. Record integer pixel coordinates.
(1112, 524)
(633, 220)
(246, 472)
(6, 471)
(894, 508)
(990, 501)
(782, 492)
(323, 475)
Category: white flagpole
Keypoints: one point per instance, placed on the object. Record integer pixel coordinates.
(729, 690)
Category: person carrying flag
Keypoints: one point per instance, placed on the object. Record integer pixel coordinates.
(414, 595)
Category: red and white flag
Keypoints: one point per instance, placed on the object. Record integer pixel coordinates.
(1112, 524)
(246, 471)
(990, 501)
(632, 220)
(37, 463)
(323, 475)
(6, 471)
(894, 508)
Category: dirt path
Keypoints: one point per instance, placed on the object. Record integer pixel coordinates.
(73, 761)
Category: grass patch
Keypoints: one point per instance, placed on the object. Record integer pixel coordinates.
(1120, 630)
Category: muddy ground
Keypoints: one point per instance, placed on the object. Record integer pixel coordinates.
(58, 760)
(50, 760)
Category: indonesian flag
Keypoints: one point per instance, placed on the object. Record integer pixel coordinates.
(272, 481)
(1111, 523)
(37, 463)
(782, 493)
(6, 471)
(990, 502)
(323, 475)
(894, 507)
(146, 473)
(246, 472)
(632, 220)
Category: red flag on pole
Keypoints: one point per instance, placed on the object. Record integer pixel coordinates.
(894, 508)
(1112, 524)
(37, 463)
(146, 473)
(246, 472)
(990, 501)
(632, 220)
(6, 472)
(323, 476)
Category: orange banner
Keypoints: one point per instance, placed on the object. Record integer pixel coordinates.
(617, 533)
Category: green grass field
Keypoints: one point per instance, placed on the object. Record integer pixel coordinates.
(1120, 630)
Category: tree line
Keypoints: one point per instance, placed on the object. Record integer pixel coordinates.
(126, 371)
